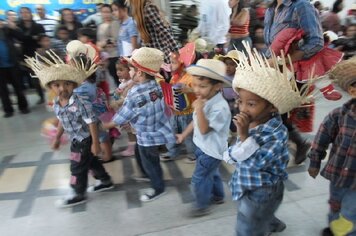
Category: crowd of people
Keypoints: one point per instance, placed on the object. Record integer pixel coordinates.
(123, 68)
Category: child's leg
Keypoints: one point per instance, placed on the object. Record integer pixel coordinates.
(218, 187)
(342, 216)
(106, 149)
(190, 146)
(173, 148)
(139, 161)
(203, 179)
(130, 150)
(257, 208)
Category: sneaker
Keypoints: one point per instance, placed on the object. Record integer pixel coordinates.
(100, 187)
(198, 212)
(148, 197)
(217, 200)
(25, 111)
(165, 158)
(140, 178)
(70, 201)
(278, 226)
(189, 160)
(8, 114)
(327, 232)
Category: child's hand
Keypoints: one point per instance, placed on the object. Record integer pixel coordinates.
(242, 122)
(106, 126)
(55, 144)
(179, 138)
(95, 148)
(313, 172)
(198, 104)
(126, 127)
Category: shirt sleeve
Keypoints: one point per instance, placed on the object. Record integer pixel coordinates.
(218, 117)
(132, 29)
(309, 22)
(86, 110)
(326, 135)
(242, 150)
(125, 114)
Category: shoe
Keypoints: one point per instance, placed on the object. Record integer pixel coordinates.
(278, 226)
(25, 111)
(330, 93)
(148, 197)
(70, 201)
(217, 200)
(108, 161)
(140, 178)
(198, 212)
(327, 232)
(165, 158)
(8, 114)
(189, 160)
(130, 150)
(100, 187)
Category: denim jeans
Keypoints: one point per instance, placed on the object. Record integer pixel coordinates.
(342, 215)
(206, 181)
(179, 123)
(151, 163)
(256, 208)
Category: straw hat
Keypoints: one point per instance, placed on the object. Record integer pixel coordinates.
(54, 69)
(344, 73)
(148, 60)
(233, 54)
(75, 48)
(210, 68)
(255, 75)
(201, 45)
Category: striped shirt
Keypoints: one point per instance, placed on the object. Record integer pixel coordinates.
(338, 129)
(49, 24)
(144, 108)
(75, 117)
(267, 165)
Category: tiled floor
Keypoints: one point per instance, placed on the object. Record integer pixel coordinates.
(32, 178)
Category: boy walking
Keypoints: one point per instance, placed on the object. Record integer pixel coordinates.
(260, 152)
(144, 108)
(77, 118)
(338, 129)
(210, 127)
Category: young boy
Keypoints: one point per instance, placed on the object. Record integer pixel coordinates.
(261, 152)
(145, 110)
(338, 129)
(211, 119)
(77, 119)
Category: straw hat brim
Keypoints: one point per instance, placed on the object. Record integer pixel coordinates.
(197, 70)
(142, 68)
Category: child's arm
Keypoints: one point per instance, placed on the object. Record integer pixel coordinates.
(203, 123)
(95, 146)
(57, 141)
(109, 125)
(186, 132)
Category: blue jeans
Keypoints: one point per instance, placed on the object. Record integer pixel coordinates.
(206, 181)
(151, 164)
(256, 208)
(342, 216)
(179, 124)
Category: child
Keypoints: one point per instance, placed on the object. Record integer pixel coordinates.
(77, 119)
(211, 120)
(338, 129)
(181, 119)
(261, 152)
(145, 110)
(61, 40)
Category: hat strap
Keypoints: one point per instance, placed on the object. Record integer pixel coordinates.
(140, 67)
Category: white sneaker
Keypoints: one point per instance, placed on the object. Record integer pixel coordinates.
(148, 197)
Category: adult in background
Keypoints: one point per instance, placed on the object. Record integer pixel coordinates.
(69, 20)
(107, 34)
(31, 31)
(48, 22)
(330, 20)
(9, 72)
(94, 19)
(154, 30)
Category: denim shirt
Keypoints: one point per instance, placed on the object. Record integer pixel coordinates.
(298, 14)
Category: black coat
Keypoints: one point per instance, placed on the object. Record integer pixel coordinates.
(30, 36)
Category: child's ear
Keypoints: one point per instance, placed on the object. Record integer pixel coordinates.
(273, 109)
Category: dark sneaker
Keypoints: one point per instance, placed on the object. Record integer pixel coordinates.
(148, 197)
(327, 232)
(301, 153)
(278, 227)
(71, 201)
(198, 212)
(140, 178)
(9, 114)
(165, 158)
(217, 200)
(100, 187)
(25, 111)
(189, 160)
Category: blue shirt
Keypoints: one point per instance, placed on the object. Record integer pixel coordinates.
(298, 14)
(4, 55)
(127, 30)
(267, 165)
(75, 117)
(217, 112)
(144, 108)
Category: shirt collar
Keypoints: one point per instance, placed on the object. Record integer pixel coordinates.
(214, 99)
(70, 102)
(125, 22)
(270, 126)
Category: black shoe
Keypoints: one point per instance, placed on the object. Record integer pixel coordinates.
(165, 158)
(217, 200)
(71, 201)
(8, 114)
(148, 197)
(100, 187)
(198, 212)
(327, 232)
(25, 111)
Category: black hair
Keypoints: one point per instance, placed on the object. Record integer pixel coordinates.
(317, 4)
(75, 19)
(211, 81)
(258, 26)
(62, 27)
(106, 5)
(149, 77)
(121, 4)
(240, 5)
(336, 5)
(41, 36)
(89, 32)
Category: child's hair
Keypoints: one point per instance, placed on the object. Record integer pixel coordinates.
(122, 61)
(121, 4)
(88, 32)
(211, 81)
(106, 6)
(259, 40)
(42, 36)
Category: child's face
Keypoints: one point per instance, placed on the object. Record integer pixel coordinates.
(63, 89)
(137, 75)
(123, 72)
(175, 64)
(63, 35)
(352, 90)
(83, 38)
(204, 89)
(45, 43)
(230, 67)
(259, 33)
(351, 31)
(122, 13)
(106, 13)
(258, 109)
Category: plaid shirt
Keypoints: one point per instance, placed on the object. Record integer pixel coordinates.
(144, 108)
(338, 128)
(268, 164)
(75, 117)
(299, 14)
(161, 33)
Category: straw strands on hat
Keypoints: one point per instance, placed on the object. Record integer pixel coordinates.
(254, 74)
(344, 73)
(53, 68)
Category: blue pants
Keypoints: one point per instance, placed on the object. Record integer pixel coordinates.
(256, 208)
(342, 216)
(151, 163)
(179, 123)
(206, 180)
